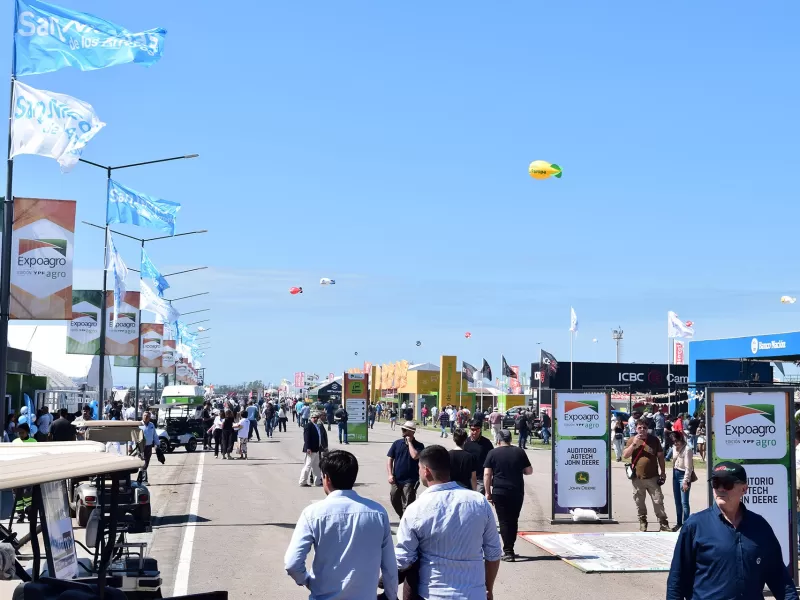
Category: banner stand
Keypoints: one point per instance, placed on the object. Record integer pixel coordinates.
(755, 428)
(581, 456)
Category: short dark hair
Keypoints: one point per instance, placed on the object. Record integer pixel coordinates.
(24, 426)
(341, 467)
(678, 436)
(437, 459)
(475, 423)
(459, 437)
(63, 412)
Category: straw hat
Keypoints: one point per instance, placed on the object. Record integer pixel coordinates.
(409, 425)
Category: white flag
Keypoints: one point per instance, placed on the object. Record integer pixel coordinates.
(120, 271)
(164, 311)
(53, 125)
(573, 320)
(677, 328)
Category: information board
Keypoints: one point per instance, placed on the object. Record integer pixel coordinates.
(581, 466)
(754, 429)
(58, 530)
(356, 398)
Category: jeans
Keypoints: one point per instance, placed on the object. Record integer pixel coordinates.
(660, 434)
(343, 432)
(402, 495)
(681, 497)
(545, 435)
(268, 427)
(444, 431)
(217, 433)
(452, 426)
(253, 428)
(508, 507)
(693, 442)
(619, 445)
(372, 422)
(523, 440)
(282, 424)
(228, 437)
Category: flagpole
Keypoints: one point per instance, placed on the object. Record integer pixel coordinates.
(540, 383)
(139, 349)
(571, 337)
(104, 310)
(5, 254)
(669, 367)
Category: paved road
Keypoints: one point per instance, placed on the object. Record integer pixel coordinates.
(247, 511)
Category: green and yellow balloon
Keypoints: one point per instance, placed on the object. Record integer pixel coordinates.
(541, 169)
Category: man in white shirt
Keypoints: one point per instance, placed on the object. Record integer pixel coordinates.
(451, 533)
(350, 535)
(129, 414)
(243, 427)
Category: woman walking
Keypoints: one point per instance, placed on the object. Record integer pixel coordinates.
(228, 435)
(282, 419)
(682, 470)
(216, 433)
(618, 432)
(701, 441)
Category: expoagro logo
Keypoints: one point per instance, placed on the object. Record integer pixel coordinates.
(740, 426)
(84, 321)
(51, 253)
(582, 413)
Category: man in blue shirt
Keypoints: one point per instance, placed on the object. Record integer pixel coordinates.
(403, 468)
(350, 535)
(149, 440)
(727, 551)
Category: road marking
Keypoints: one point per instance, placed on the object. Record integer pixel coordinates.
(185, 560)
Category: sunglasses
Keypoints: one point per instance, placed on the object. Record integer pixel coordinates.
(725, 484)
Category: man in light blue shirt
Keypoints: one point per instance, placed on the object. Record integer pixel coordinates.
(351, 538)
(149, 440)
(451, 533)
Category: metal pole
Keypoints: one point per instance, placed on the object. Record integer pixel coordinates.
(571, 337)
(5, 259)
(139, 348)
(103, 307)
(669, 366)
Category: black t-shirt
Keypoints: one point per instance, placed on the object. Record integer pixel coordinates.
(480, 450)
(62, 430)
(522, 424)
(227, 424)
(393, 413)
(462, 466)
(693, 425)
(408, 414)
(406, 469)
(507, 464)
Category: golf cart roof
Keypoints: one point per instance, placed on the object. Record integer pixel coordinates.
(92, 424)
(175, 405)
(179, 392)
(9, 451)
(110, 431)
(34, 470)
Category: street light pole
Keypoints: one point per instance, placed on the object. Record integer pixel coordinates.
(103, 308)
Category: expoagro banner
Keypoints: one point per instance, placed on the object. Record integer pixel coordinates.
(122, 337)
(181, 370)
(356, 396)
(581, 467)
(83, 335)
(152, 344)
(41, 259)
(167, 356)
(755, 429)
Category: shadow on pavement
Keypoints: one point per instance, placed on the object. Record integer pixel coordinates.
(177, 520)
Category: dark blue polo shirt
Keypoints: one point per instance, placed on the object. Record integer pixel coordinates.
(714, 561)
(406, 469)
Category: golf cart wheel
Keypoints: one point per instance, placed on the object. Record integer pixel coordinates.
(164, 445)
(144, 513)
(83, 514)
(191, 445)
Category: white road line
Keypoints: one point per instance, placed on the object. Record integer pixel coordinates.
(185, 560)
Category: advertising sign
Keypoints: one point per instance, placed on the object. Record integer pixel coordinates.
(167, 356)
(581, 468)
(516, 384)
(58, 529)
(356, 397)
(41, 259)
(753, 429)
(122, 339)
(449, 381)
(152, 337)
(83, 335)
(678, 352)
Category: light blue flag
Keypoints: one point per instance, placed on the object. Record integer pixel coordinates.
(149, 271)
(125, 205)
(48, 38)
(120, 271)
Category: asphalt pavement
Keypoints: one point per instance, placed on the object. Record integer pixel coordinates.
(246, 512)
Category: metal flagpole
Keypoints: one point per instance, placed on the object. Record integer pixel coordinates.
(139, 349)
(540, 383)
(669, 367)
(571, 337)
(104, 310)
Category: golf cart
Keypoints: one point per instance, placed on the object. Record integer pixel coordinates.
(177, 425)
(134, 497)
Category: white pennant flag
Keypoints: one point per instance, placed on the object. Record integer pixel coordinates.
(573, 320)
(677, 328)
(52, 125)
(165, 312)
(120, 271)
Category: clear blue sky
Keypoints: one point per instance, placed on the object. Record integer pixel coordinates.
(386, 146)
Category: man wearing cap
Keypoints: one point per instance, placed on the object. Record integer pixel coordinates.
(728, 551)
(403, 468)
(315, 441)
(646, 454)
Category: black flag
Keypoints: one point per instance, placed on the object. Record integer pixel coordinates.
(486, 371)
(548, 366)
(469, 371)
(507, 372)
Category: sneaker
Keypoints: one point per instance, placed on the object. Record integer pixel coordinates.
(224, 457)
(665, 527)
(508, 558)
(642, 525)
(675, 529)
(304, 485)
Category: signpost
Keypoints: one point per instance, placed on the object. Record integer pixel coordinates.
(581, 467)
(753, 428)
(356, 397)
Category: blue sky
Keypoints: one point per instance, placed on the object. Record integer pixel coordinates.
(386, 146)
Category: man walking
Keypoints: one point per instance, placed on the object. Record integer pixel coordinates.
(44, 422)
(269, 418)
(403, 468)
(149, 440)
(62, 430)
(479, 447)
(546, 424)
(451, 533)
(728, 551)
(444, 422)
(341, 417)
(523, 429)
(658, 422)
(505, 488)
(649, 473)
(329, 413)
(496, 421)
(315, 441)
(351, 537)
(252, 416)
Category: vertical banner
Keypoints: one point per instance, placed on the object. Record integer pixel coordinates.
(581, 459)
(376, 385)
(122, 339)
(678, 352)
(755, 429)
(41, 259)
(331, 377)
(356, 396)
(167, 356)
(298, 379)
(152, 344)
(83, 335)
(181, 370)
(367, 368)
(516, 386)
(449, 382)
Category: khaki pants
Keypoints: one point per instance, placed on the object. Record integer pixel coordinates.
(650, 486)
(311, 466)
